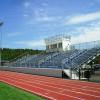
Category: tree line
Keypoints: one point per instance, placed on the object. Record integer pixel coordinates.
(9, 54)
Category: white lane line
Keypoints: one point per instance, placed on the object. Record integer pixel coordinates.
(58, 88)
(54, 80)
(65, 79)
(37, 93)
(61, 84)
(51, 79)
(57, 80)
(45, 89)
(68, 84)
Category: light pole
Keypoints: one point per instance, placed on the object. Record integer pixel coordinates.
(1, 23)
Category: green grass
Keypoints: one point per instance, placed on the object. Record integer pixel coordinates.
(8, 92)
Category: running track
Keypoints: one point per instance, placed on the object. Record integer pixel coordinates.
(52, 88)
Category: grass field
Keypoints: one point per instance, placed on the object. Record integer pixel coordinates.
(8, 92)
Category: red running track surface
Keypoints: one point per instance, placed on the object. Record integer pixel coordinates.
(52, 88)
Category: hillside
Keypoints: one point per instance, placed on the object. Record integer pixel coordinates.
(9, 54)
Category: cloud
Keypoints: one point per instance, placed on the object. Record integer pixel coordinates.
(83, 18)
(45, 18)
(98, 1)
(12, 34)
(26, 15)
(45, 4)
(87, 34)
(26, 4)
(41, 15)
(32, 43)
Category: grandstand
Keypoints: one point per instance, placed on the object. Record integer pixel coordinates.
(61, 54)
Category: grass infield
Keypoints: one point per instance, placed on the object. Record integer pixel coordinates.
(8, 92)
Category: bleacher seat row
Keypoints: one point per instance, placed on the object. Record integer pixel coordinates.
(71, 59)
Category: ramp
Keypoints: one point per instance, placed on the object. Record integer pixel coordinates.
(70, 74)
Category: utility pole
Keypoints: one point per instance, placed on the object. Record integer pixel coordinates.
(1, 23)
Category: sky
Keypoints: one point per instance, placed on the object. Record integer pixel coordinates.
(28, 22)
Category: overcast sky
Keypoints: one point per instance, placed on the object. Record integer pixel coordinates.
(28, 22)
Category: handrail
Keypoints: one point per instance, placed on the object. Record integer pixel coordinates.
(85, 61)
(18, 57)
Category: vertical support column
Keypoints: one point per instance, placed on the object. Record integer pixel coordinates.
(57, 46)
(1, 23)
(79, 73)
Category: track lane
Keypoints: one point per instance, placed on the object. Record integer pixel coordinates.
(25, 78)
(39, 91)
(85, 87)
(64, 90)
